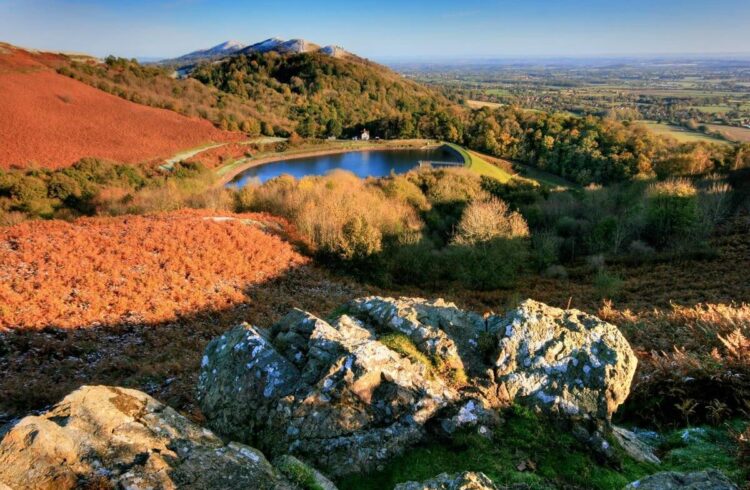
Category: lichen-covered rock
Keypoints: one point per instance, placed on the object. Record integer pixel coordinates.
(564, 362)
(636, 447)
(467, 480)
(108, 437)
(671, 480)
(348, 394)
(329, 392)
(432, 325)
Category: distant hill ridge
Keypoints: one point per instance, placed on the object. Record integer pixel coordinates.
(274, 44)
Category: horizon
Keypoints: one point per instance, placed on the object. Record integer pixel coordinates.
(434, 32)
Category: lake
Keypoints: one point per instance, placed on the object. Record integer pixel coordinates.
(374, 163)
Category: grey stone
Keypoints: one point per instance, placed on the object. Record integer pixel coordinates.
(329, 393)
(467, 480)
(671, 480)
(636, 447)
(564, 362)
(100, 436)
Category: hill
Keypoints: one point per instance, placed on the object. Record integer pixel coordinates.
(187, 62)
(278, 87)
(325, 95)
(220, 50)
(50, 120)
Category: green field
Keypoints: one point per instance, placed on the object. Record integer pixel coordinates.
(713, 109)
(681, 134)
(481, 166)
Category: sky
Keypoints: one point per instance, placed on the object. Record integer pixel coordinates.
(385, 29)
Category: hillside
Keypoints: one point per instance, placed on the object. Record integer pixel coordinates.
(333, 96)
(278, 87)
(152, 268)
(50, 120)
(187, 62)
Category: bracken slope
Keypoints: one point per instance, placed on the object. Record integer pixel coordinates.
(49, 120)
(135, 268)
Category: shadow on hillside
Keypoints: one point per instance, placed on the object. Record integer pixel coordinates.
(39, 367)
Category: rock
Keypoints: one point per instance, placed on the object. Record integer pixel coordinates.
(302, 474)
(563, 362)
(671, 480)
(467, 480)
(472, 413)
(346, 395)
(635, 446)
(108, 437)
(328, 392)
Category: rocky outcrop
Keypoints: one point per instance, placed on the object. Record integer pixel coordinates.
(330, 392)
(107, 437)
(671, 480)
(467, 480)
(564, 362)
(350, 393)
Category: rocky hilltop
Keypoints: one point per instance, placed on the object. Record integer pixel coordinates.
(342, 396)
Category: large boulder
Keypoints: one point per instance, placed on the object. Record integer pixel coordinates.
(350, 393)
(564, 362)
(468, 480)
(672, 480)
(328, 392)
(107, 437)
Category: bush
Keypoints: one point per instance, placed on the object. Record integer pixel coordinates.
(340, 215)
(671, 212)
(489, 265)
(483, 221)
(607, 285)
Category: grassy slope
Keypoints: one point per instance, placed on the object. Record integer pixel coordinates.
(481, 166)
(680, 134)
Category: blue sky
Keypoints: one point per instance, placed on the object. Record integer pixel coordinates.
(385, 29)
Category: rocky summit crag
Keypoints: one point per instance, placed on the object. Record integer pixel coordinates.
(349, 393)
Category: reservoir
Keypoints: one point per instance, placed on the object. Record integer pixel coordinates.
(372, 163)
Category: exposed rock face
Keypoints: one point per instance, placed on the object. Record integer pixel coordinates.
(345, 396)
(329, 392)
(564, 362)
(104, 437)
(467, 480)
(671, 480)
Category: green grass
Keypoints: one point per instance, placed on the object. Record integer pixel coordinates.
(552, 180)
(560, 460)
(699, 448)
(477, 164)
(681, 134)
(402, 344)
(523, 437)
(713, 109)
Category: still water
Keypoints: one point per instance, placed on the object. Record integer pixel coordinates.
(362, 163)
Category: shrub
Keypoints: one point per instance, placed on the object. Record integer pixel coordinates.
(607, 285)
(339, 214)
(671, 212)
(483, 221)
(488, 265)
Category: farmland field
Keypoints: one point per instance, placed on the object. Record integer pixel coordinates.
(681, 134)
(733, 133)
